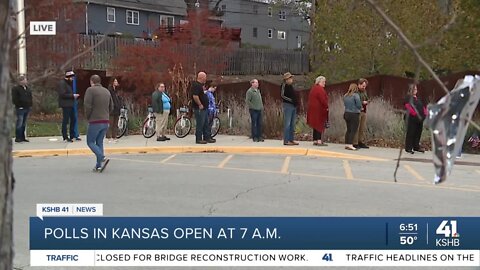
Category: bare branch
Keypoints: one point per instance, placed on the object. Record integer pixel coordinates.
(407, 42)
(67, 63)
(437, 37)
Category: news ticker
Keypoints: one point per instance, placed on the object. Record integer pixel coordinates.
(71, 239)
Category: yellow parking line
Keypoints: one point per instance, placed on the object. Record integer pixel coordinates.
(286, 164)
(167, 159)
(224, 162)
(348, 170)
(414, 173)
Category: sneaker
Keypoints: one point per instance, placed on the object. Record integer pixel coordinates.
(255, 140)
(166, 138)
(160, 139)
(211, 141)
(261, 139)
(362, 145)
(96, 169)
(349, 147)
(67, 140)
(78, 139)
(104, 164)
(201, 142)
(409, 151)
(288, 143)
(18, 140)
(356, 146)
(295, 143)
(25, 140)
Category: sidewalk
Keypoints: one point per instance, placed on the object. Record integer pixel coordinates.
(134, 144)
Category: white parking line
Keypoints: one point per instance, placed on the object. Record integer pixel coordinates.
(286, 164)
(225, 161)
(348, 170)
(167, 159)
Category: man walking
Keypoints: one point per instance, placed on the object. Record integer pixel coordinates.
(98, 104)
(66, 99)
(22, 99)
(255, 106)
(359, 139)
(200, 106)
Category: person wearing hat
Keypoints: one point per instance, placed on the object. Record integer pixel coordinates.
(289, 109)
(66, 99)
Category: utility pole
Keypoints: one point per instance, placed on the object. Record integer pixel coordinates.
(22, 43)
(312, 52)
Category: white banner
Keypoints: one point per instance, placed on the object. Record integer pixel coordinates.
(290, 258)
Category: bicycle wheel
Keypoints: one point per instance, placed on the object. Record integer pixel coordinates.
(182, 127)
(148, 128)
(215, 126)
(122, 127)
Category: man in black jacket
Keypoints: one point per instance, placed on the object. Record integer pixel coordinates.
(22, 99)
(66, 99)
(290, 104)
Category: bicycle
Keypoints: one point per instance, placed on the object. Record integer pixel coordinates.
(149, 124)
(183, 125)
(215, 122)
(122, 122)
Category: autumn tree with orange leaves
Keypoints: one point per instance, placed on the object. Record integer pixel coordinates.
(199, 45)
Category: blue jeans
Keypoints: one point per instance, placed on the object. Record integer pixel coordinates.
(68, 116)
(95, 135)
(201, 131)
(256, 116)
(289, 118)
(21, 123)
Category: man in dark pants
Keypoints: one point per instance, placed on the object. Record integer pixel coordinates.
(66, 99)
(200, 106)
(255, 106)
(22, 99)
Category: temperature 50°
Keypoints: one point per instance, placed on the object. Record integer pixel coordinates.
(407, 240)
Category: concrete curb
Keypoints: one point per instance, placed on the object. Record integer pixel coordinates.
(196, 149)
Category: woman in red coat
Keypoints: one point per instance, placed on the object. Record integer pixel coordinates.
(317, 114)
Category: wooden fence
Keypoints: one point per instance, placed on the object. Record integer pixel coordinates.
(238, 61)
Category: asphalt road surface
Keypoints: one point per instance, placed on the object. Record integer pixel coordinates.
(219, 184)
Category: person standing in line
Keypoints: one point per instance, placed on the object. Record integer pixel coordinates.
(66, 99)
(255, 107)
(353, 106)
(212, 105)
(200, 106)
(359, 139)
(113, 87)
(161, 104)
(416, 113)
(289, 109)
(22, 99)
(98, 105)
(317, 113)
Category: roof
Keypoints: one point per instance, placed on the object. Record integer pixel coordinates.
(174, 7)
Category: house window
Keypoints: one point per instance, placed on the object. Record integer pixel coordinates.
(282, 15)
(255, 32)
(110, 14)
(255, 9)
(167, 21)
(133, 17)
(270, 33)
(281, 35)
(299, 42)
(224, 7)
(270, 13)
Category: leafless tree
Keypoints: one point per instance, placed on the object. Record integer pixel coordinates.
(6, 123)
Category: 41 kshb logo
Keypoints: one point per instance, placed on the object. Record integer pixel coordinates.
(448, 228)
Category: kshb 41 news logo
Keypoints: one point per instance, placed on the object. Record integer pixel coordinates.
(448, 229)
